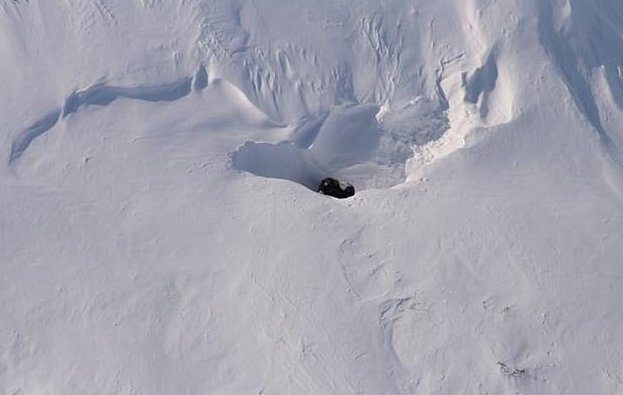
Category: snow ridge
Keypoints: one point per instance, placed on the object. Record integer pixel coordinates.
(100, 95)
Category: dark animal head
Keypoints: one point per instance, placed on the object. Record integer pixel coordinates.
(332, 187)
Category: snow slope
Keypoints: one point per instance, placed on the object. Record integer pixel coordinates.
(159, 232)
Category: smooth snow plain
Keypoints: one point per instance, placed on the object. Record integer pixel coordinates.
(160, 233)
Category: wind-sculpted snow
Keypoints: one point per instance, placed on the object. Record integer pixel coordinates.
(284, 161)
(299, 82)
(161, 233)
(24, 138)
(362, 144)
(482, 82)
(289, 77)
(583, 38)
(100, 95)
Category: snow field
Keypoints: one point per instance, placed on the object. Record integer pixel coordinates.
(159, 232)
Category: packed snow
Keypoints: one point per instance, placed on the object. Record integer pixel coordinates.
(161, 233)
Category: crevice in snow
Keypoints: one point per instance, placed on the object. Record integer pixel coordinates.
(103, 95)
(99, 95)
(39, 127)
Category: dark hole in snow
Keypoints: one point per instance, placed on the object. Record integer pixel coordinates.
(332, 187)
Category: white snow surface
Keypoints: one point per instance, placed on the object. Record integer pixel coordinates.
(160, 232)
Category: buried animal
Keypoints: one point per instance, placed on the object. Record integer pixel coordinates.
(332, 187)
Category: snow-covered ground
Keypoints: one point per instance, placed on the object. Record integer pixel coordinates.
(160, 233)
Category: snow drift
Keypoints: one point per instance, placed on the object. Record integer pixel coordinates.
(158, 233)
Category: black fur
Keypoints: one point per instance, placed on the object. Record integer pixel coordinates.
(332, 187)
